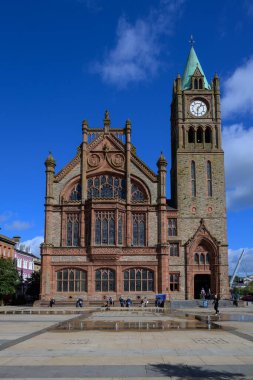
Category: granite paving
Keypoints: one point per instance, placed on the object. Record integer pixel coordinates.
(36, 346)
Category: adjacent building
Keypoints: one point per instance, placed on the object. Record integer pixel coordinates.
(7, 247)
(109, 228)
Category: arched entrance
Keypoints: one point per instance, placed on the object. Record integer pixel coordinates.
(201, 281)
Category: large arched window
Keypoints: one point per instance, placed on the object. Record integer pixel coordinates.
(139, 230)
(105, 280)
(138, 280)
(71, 280)
(76, 193)
(193, 178)
(106, 186)
(72, 230)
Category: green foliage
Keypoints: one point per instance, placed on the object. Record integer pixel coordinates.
(9, 278)
(249, 288)
(33, 285)
(244, 291)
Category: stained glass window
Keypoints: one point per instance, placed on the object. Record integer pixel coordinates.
(72, 230)
(107, 187)
(71, 280)
(76, 193)
(137, 194)
(139, 230)
(138, 280)
(105, 228)
(120, 230)
(104, 280)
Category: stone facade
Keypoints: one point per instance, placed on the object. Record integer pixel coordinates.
(109, 229)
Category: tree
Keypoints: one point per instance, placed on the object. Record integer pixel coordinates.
(9, 278)
(33, 285)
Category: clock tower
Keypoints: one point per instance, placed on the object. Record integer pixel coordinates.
(197, 179)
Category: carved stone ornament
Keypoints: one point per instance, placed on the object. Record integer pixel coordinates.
(118, 160)
(94, 160)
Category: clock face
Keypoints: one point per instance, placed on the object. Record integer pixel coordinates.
(198, 108)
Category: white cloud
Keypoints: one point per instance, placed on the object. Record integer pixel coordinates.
(238, 94)
(136, 54)
(34, 244)
(18, 225)
(237, 144)
(246, 266)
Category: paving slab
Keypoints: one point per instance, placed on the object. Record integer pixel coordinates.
(38, 350)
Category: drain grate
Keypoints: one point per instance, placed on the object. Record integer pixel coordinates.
(210, 340)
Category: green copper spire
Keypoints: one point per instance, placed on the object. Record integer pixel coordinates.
(191, 65)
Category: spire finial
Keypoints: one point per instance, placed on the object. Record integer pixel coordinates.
(191, 41)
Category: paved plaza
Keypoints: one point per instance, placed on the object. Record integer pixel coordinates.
(122, 344)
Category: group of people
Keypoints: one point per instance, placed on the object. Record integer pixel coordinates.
(125, 302)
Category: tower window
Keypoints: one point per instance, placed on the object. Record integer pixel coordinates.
(199, 135)
(196, 258)
(193, 178)
(209, 179)
(191, 136)
(208, 135)
(200, 84)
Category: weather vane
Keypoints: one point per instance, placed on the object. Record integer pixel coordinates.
(191, 41)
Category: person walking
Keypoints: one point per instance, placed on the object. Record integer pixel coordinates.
(216, 304)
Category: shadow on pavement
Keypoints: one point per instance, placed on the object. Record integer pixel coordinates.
(193, 372)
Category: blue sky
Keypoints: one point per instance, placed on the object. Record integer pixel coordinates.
(63, 61)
